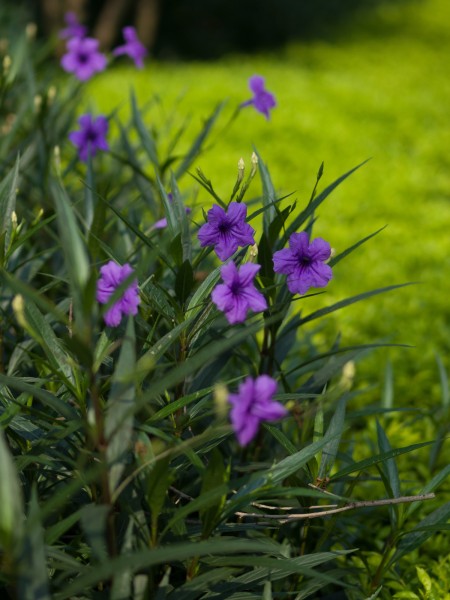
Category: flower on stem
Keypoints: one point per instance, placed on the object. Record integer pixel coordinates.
(304, 263)
(83, 58)
(132, 47)
(252, 404)
(226, 231)
(238, 294)
(74, 27)
(262, 100)
(111, 276)
(91, 136)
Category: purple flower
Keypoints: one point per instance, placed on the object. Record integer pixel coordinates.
(83, 58)
(91, 136)
(253, 404)
(111, 276)
(262, 100)
(226, 230)
(74, 27)
(304, 263)
(132, 48)
(237, 295)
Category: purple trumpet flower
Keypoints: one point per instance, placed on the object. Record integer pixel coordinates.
(132, 47)
(262, 100)
(74, 27)
(304, 263)
(111, 276)
(91, 136)
(252, 405)
(226, 230)
(237, 295)
(83, 58)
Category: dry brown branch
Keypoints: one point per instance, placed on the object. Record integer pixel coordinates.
(350, 506)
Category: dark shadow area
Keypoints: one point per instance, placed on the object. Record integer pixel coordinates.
(202, 29)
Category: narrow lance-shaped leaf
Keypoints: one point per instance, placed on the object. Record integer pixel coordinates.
(33, 581)
(8, 192)
(11, 501)
(118, 420)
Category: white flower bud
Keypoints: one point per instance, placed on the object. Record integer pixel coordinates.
(30, 31)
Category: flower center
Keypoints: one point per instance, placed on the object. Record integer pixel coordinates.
(235, 288)
(224, 227)
(83, 58)
(304, 261)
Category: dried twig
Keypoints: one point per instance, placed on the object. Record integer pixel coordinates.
(350, 506)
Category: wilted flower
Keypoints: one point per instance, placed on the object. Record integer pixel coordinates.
(74, 27)
(83, 58)
(253, 404)
(111, 276)
(304, 263)
(226, 231)
(132, 48)
(262, 100)
(237, 295)
(91, 136)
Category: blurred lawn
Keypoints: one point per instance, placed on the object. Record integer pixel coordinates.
(379, 89)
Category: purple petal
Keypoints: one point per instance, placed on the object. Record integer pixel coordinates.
(248, 430)
(237, 312)
(226, 245)
(265, 387)
(236, 213)
(247, 273)
(255, 300)
(299, 243)
(256, 84)
(269, 411)
(113, 316)
(229, 273)
(284, 261)
(222, 297)
(319, 249)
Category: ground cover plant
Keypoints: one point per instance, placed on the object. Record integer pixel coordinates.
(171, 425)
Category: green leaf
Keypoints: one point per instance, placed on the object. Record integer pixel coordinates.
(334, 433)
(147, 141)
(93, 521)
(314, 204)
(118, 419)
(215, 475)
(197, 145)
(184, 281)
(145, 559)
(183, 221)
(348, 301)
(33, 581)
(349, 250)
(169, 209)
(269, 196)
(77, 261)
(388, 467)
(429, 487)
(8, 193)
(11, 501)
(362, 465)
(417, 536)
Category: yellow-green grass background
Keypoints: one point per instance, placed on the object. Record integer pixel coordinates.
(378, 88)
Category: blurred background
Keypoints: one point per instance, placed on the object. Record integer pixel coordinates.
(354, 79)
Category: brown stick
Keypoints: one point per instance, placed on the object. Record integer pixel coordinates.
(365, 503)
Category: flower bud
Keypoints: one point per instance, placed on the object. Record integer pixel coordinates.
(220, 395)
(252, 254)
(241, 169)
(30, 31)
(37, 101)
(51, 94)
(6, 64)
